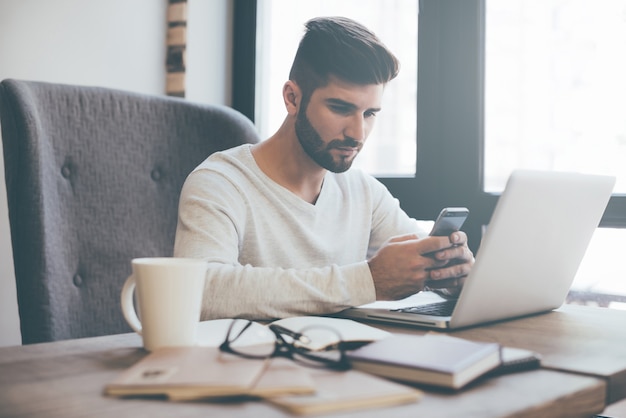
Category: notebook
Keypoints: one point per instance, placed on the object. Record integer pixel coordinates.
(528, 257)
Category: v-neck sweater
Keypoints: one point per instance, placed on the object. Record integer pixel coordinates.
(271, 254)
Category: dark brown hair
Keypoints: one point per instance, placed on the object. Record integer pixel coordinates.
(343, 48)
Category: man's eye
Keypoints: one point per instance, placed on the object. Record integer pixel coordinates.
(343, 110)
(370, 114)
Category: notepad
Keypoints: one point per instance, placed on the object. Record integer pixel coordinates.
(512, 359)
(431, 360)
(516, 360)
(347, 391)
(206, 374)
(186, 373)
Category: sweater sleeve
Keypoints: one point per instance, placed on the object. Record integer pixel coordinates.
(388, 218)
(267, 292)
(213, 212)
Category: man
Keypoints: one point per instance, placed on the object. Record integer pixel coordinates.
(287, 228)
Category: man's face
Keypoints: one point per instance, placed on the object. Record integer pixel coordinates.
(333, 126)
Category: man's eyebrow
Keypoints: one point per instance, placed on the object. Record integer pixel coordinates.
(339, 102)
(343, 103)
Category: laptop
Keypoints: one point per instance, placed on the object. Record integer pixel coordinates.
(527, 260)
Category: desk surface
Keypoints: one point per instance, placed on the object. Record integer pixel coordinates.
(580, 339)
(66, 378)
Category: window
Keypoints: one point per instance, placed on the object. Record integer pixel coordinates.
(481, 104)
(555, 99)
(555, 88)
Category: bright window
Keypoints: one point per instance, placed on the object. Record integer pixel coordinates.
(555, 99)
(555, 94)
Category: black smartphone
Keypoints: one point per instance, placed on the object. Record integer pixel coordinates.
(449, 221)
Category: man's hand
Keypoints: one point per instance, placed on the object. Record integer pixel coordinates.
(404, 265)
(449, 279)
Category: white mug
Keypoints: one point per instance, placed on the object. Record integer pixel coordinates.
(169, 297)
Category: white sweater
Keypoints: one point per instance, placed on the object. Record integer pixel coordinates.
(274, 255)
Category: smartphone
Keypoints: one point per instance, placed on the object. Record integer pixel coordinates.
(449, 221)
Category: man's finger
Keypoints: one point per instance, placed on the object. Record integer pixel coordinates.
(402, 238)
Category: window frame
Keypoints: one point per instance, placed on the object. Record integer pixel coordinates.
(450, 112)
(244, 57)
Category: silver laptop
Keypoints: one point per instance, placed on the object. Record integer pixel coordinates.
(527, 259)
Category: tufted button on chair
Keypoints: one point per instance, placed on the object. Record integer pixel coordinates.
(93, 177)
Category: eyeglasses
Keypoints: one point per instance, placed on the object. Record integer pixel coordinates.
(251, 340)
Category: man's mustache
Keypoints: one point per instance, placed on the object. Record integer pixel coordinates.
(345, 143)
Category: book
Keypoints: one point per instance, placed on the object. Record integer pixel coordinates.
(346, 391)
(204, 374)
(189, 373)
(516, 360)
(283, 377)
(432, 360)
(512, 359)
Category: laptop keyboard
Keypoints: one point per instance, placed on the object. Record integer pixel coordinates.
(443, 308)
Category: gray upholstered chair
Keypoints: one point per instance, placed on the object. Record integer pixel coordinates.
(93, 177)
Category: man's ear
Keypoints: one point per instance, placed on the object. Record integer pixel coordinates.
(292, 97)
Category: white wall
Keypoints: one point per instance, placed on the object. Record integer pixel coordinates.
(109, 43)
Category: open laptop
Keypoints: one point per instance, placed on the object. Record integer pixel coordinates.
(528, 257)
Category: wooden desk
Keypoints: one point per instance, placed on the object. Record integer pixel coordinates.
(580, 339)
(66, 378)
(583, 350)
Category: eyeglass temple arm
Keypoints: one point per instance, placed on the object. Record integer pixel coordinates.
(230, 329)
(295, 335)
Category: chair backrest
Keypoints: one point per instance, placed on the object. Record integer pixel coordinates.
(93, 177)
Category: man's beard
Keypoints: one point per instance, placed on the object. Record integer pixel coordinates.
(319, 152)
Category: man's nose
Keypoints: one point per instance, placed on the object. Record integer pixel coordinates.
(356, 128)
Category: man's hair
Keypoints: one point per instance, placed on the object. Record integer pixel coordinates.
(343, 48)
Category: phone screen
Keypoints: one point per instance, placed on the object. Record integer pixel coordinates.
(449, 221)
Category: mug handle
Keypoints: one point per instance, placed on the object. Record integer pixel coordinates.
(128, 306)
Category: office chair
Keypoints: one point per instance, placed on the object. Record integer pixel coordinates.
(93, 177)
